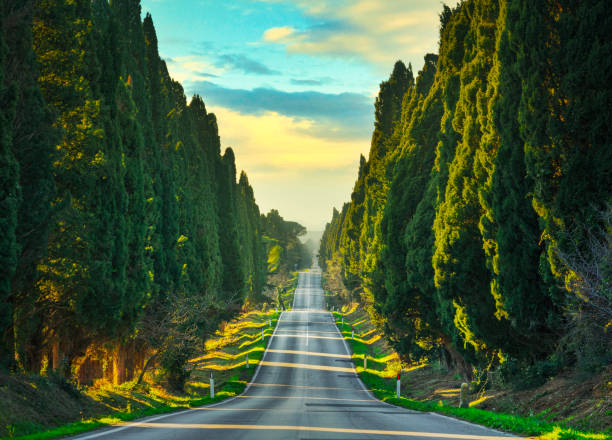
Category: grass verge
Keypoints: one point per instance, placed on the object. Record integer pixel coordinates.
(380, 378)
(225, 358)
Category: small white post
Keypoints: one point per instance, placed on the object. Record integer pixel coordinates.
(397, 391)
(365, 361)
(342, 321)
(463, 396)
(247, 361)
(262, 335)
(212, 386)
(352, 333)
(269, 323)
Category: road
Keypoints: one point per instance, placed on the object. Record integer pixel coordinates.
(305, 388)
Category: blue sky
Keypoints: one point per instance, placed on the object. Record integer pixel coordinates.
(293, 84)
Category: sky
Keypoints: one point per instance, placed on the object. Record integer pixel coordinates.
(293, 84)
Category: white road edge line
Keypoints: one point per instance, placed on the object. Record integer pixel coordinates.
(373, 397)
(155, 418)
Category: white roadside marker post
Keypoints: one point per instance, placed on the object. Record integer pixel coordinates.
(212, 386)
(247, 361)
(365, 361)
(397, 391)
(269, 323)
(352, 333)
(342, 321)
(262, 335)
(463, 396)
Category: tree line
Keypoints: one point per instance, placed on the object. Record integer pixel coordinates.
(478, 230)
(125, 230)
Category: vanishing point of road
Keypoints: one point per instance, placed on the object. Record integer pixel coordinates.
(305, 388)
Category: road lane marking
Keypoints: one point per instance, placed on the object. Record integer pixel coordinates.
(300, 322)
(322, 429)
(293, 330)
(282, 335)
(336, 399)
(271, 385)
(311, 353)
(307, 366)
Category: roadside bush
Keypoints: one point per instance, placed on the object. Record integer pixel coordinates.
(174, 368)
(522, 376)
(64, 384)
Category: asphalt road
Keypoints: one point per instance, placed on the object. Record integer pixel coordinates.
(305, 388)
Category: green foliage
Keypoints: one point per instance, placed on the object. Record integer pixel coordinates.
(283, 238)
(475, 230)
(10, 195)
(116, 201)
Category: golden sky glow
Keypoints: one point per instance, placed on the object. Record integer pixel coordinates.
(293, 84)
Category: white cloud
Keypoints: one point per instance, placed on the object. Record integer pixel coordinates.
(378, 31)
(278, 33)
(301, 175)
(192, 68)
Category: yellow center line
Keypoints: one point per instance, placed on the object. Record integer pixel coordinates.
(336, 399)
(307, 366)
(310, 353)
(292, 411)
(319, 429)
(254, 384)
(310, 331)
(285, 335)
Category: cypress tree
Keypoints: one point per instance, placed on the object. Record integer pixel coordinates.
(233, 281)
(521, 294)
(349, 240)
(33, 146)
(385, 142)
(207, 235)
(10, 195)
(78, 266)
(406, 297)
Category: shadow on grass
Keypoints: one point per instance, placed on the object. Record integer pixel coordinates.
(377, 379)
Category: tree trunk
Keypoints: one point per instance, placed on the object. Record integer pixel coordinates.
(119, 365)
(55, 356)
(145, 367)
(460, 363)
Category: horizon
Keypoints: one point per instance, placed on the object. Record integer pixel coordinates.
(289, 70)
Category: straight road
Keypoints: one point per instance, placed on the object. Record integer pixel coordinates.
(305, 388)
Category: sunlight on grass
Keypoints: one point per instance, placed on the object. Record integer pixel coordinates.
(479, 400)
(350, 309)
(225, 356)
(383, 366)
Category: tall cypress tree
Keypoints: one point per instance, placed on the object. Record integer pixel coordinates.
(385, 143)
(78, 268)
(521, 294)
(206, 228)
(406, 297)
(233, 281)
(10, 195)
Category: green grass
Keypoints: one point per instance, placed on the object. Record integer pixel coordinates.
(232, 381)
(289, 291)
(229, 389)
(384, 389)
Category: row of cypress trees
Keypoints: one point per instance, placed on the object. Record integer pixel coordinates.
(116, 204)
(486, 174)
